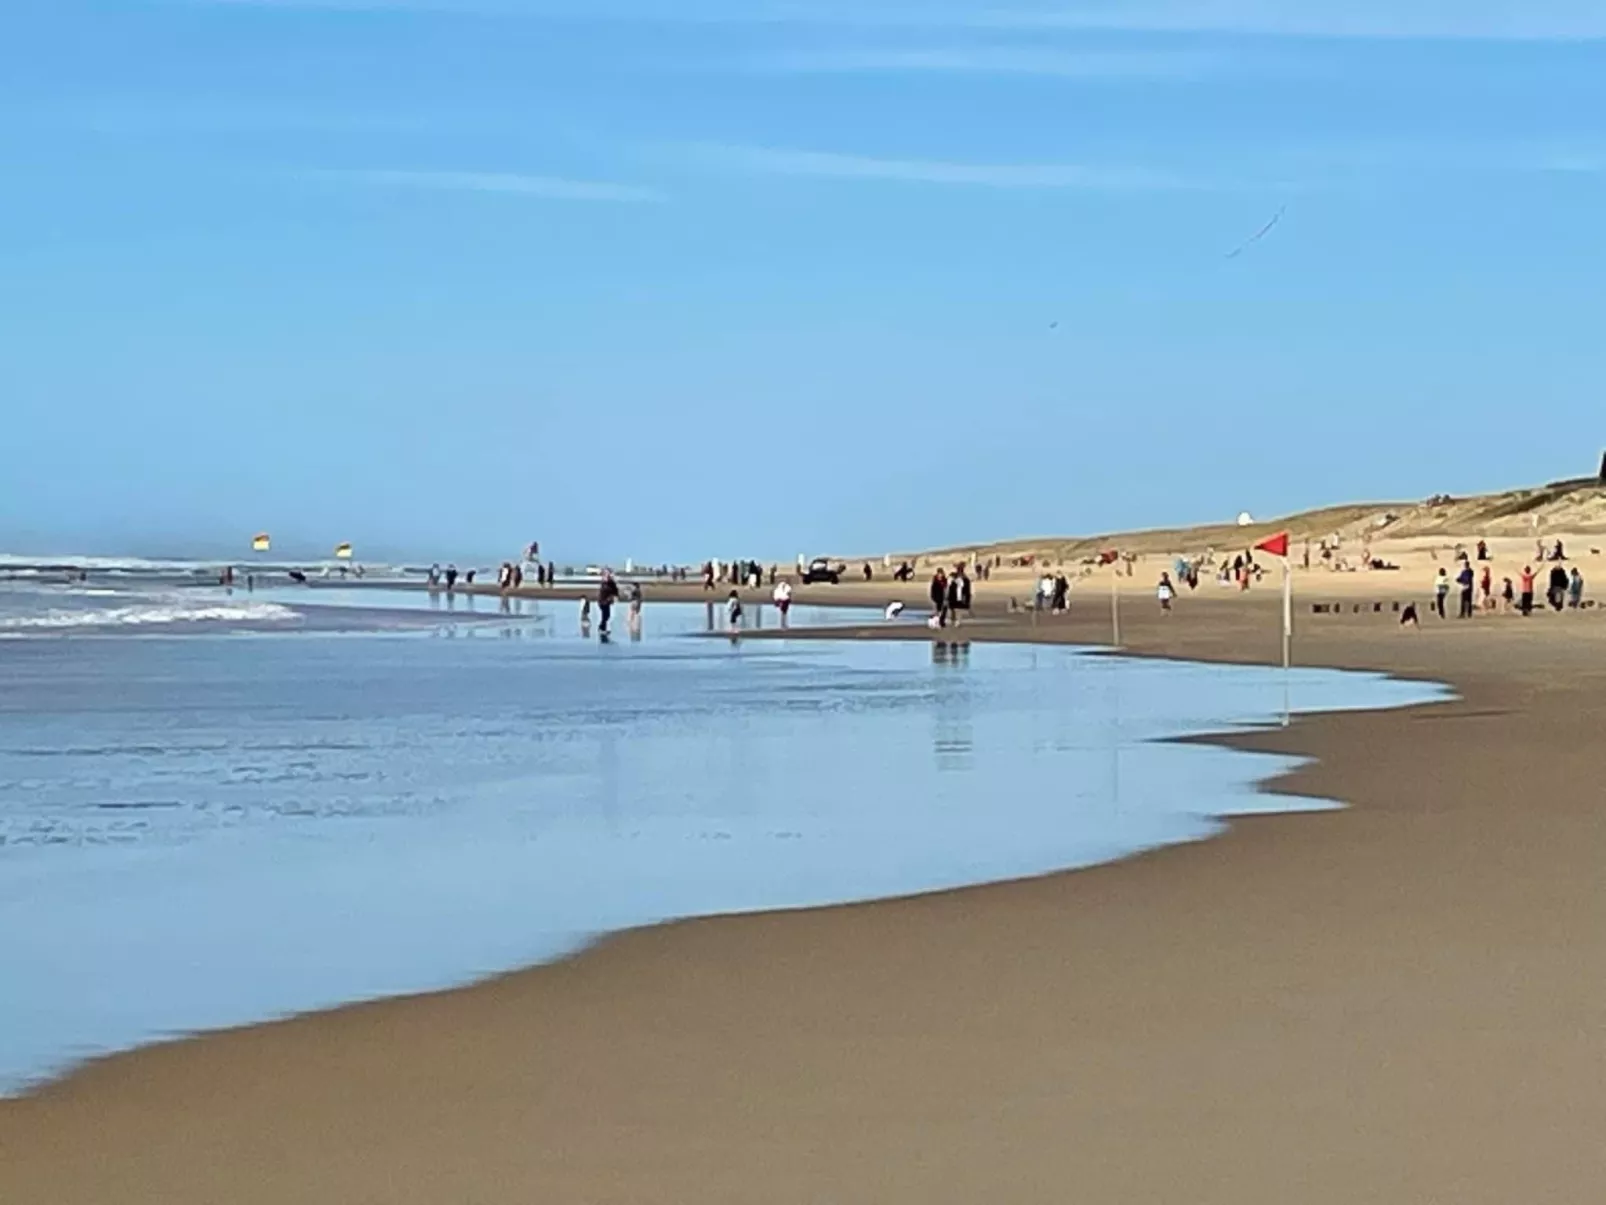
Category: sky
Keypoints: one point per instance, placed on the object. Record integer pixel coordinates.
(706, 278)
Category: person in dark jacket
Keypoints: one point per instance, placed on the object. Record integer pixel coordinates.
(607, 595)
(1560, 579)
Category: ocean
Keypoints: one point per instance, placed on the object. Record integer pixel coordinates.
(218, 808)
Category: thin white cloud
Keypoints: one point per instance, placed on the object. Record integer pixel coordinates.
(1521, 20)
(836, 166)
(555, 188)
(1002, 60)
(1495, 20)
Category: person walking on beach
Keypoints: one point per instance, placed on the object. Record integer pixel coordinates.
(783, 601)
(1525, 602)
(1508, 596)
(1486, 588)
(1165, 592)
(451, 577)
(607, 595)
(708, 575)
(939, 598)
(1062, 594)
(958, 595)
(733, 613)
(1575, 589)
(1464, 579)
(1441, 591)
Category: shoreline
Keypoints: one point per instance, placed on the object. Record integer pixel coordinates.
(693, 1090)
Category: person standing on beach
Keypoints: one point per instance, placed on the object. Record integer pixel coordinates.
(451, 577)
(1441, 591)
(1486, 588)
(1062, 594)
(1526, 598)
(634, 619)
(607, 595)
(783, 601)
(1464, 579)
(1575, 589)
(1165, 592)
(939, 598)
(733, 613)
(958, 595)
(708, 575)
(1557, 594)
(1508, 596)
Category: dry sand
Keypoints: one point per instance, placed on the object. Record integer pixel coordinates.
(1401, 1002)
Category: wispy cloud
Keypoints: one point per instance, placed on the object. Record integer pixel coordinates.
(554, 188)
(1002, 60)
(1516, 20)
(833, 165)
(1525, 20)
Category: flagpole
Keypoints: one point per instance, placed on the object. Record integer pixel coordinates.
(1115, 603)
(1288, 613)
(1288, 635)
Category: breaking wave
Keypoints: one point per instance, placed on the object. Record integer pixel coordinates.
(150, 615)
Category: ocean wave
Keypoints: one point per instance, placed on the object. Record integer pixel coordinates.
(150, 615)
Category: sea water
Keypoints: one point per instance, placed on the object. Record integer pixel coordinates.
(220, 808)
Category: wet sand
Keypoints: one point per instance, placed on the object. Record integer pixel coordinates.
(1401, 1002)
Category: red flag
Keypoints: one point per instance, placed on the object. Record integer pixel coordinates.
(1277, 545)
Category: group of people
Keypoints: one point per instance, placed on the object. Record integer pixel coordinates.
(608, 595)
(737, 573)
(1053, 593)
(950, 596)
(1564, 588)
(510, 576)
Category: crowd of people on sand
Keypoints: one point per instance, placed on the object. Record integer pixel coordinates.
(1476, 592)
(510, 575)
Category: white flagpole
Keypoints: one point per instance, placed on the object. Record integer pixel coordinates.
(1288, 613)
(1288, 636)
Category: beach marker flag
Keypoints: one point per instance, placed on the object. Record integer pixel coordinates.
(1112, 558)
(261, 543)
(1277, 545)
(343, 551)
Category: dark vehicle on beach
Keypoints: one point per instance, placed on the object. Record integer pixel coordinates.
(821, 570)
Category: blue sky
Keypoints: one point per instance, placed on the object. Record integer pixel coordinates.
(691, 279)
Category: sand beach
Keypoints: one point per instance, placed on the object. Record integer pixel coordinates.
(1400, 1001)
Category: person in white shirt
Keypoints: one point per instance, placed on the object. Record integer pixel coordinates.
(783, 599)
(1045, 591)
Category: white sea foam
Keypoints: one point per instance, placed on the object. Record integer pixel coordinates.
(148, 615)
